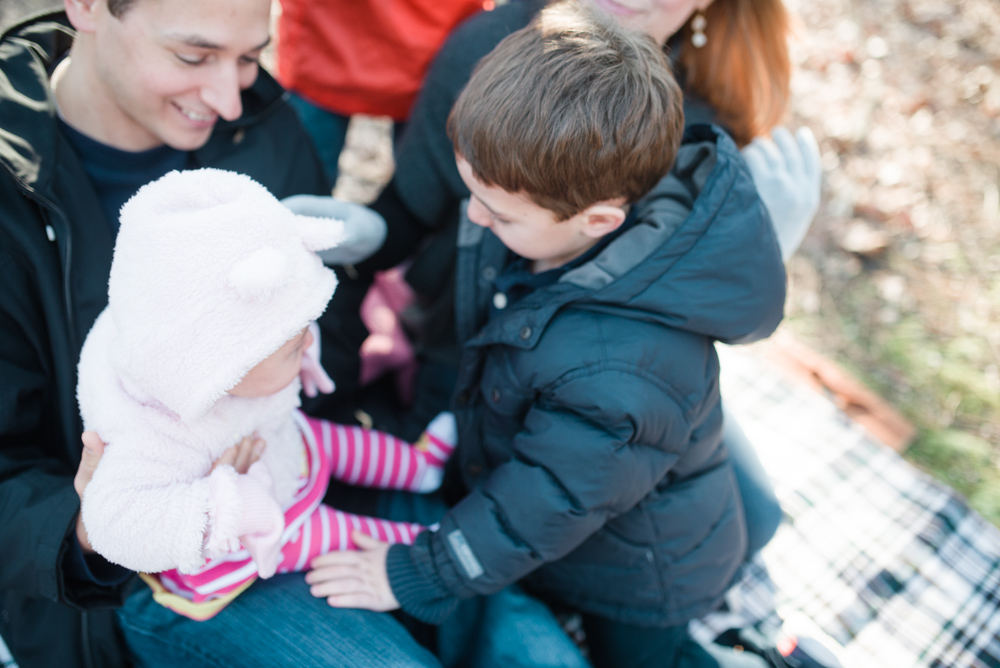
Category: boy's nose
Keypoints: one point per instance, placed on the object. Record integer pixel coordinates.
(477, 213)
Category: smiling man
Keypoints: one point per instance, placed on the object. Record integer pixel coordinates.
(94, 103)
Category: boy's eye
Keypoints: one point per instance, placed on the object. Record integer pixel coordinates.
(250, 60)
(190, 60)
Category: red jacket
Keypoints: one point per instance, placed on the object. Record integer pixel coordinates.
(364, 56)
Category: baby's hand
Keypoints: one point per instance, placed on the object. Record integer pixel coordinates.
(312, 375)
(354, 578)
(242, 455)
(262, 521)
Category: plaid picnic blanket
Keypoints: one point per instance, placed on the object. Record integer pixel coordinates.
(888, 563)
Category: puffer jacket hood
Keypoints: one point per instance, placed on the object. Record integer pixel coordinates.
(687, 254)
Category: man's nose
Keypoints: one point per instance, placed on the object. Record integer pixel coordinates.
(222, 92)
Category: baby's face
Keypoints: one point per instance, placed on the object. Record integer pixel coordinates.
(277, 371)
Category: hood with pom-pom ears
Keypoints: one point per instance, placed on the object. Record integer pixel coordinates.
(211, 274)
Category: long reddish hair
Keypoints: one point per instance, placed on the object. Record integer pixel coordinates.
(744, 69)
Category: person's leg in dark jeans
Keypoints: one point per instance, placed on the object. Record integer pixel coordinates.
(617, 645)
(760, 504)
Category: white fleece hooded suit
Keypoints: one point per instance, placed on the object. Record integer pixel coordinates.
(211, 274)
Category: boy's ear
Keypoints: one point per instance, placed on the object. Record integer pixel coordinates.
(81, 13)
(602, 218)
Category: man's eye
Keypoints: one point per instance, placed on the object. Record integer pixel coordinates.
(190, 60)
(250, 60)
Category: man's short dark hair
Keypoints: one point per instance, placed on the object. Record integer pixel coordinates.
(571, 110)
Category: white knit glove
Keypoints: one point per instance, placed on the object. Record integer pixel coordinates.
(788, 173)
(313, 376)
(364, 230)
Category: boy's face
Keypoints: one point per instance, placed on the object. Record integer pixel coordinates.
(167, 70)
(531, 231)
(277, 371)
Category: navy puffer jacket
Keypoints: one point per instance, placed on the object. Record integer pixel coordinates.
(589, 411)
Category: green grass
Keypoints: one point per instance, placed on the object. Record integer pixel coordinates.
(941, 376)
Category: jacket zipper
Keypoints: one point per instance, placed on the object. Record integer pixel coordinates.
(67, 301)
(88, 658)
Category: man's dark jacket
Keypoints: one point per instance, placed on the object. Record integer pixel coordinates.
(589, 412)
(55, 256)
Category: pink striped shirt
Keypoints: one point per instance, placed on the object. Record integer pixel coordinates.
(357, 456)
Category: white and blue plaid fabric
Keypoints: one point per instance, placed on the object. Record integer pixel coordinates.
(874, 554)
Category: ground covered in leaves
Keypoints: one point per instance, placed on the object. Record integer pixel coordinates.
(898, 278)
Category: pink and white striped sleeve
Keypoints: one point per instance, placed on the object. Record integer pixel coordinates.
(371, 458)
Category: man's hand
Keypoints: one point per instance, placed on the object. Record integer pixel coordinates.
(242, 455)
(354, 578)
(93, 450)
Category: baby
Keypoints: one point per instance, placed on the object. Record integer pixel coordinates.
(213, 288)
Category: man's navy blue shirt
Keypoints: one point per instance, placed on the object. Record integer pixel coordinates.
(116, 174)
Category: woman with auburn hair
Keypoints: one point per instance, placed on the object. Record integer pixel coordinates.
(739, 65)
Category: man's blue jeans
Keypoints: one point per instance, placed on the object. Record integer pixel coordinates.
(275, 622)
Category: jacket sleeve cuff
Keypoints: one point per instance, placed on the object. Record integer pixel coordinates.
(419, 592)
(257, 507)
(92, 567)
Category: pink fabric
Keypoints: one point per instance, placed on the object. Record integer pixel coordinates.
(347, 453)
(387, 349)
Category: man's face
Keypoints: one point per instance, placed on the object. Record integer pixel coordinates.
(167, 70)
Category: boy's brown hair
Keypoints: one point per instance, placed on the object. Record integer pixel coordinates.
(570, 110)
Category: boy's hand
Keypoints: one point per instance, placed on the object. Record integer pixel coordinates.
(354, 578)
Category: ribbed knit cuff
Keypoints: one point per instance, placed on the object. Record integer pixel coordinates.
(417, 593)
(256, 505)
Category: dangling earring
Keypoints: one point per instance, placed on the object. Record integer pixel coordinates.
(698, 24)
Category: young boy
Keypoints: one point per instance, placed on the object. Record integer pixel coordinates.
(591, 287)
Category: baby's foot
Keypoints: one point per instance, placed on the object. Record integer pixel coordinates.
(436, 445)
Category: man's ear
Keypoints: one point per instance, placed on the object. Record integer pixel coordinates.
(602, 218)
(82, 13)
